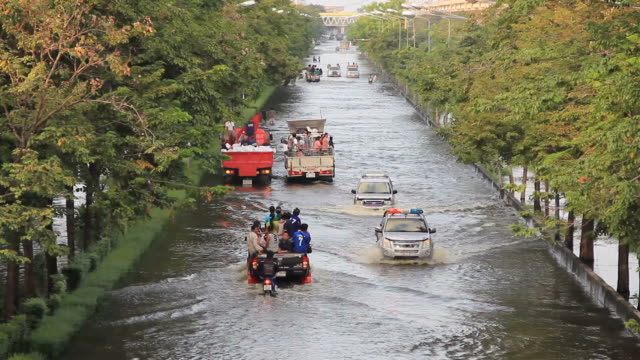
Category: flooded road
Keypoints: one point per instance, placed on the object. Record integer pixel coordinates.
(485, 295)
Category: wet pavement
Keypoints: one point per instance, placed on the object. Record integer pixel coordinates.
(486, 294)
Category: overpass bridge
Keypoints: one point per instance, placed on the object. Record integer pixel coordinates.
(452, 6)
(338, 22)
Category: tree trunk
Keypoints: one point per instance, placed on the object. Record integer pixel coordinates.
(11, 291)
(568, 235)
(523, 194)
(52, 269)
(88, 225)
(623, 270)
(29, 278)
(71, 223)
(546, 199)
(586, 241)
(511, 179)
(557, 206)
(537, 208)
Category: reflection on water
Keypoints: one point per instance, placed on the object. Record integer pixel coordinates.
(485, 295)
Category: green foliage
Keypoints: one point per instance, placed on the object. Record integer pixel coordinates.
(53, 303)
(30, 356)
(35, 309)
(523, 230)
(117, 96)
(12, 335)
(633, 326)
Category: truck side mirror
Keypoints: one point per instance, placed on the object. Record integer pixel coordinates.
(353, 191)
(395, 191)
(378, 229)
(270, 137)
(432, 230)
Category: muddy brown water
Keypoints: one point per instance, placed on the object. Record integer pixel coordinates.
(486, 295)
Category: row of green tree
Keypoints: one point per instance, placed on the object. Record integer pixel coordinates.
(547, 85)
(105, 100)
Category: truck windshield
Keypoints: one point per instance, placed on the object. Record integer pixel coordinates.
(405, 225)
(373, 188)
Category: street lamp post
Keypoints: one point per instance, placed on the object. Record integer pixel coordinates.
(399, 26)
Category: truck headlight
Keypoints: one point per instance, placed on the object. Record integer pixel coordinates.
(387, 202)
(386, 243)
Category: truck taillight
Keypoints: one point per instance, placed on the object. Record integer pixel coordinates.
(305, 262)
(266, 171)
(295, 173)
(327, 172)
(228, 171)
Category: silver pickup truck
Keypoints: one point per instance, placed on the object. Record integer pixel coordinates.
(405, 234)
(374, 191)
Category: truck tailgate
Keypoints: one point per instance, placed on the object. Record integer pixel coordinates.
(248, 162)
(310, 163)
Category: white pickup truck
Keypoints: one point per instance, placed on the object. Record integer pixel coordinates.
(308, 163)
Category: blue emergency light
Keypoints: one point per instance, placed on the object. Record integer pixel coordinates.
(416, 211)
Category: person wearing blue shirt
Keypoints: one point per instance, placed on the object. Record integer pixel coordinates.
(272, 214)
(301, 239)
(295, 218)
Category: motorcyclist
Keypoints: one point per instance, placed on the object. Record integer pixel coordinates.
(267, 269)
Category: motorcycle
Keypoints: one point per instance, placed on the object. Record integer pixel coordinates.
(268, 287)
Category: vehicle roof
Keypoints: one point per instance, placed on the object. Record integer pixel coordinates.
(375, 175)
(373, 179)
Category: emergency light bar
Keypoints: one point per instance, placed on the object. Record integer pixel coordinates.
(400, 211)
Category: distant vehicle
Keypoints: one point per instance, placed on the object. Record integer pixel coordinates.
(374, 191)
(334, 71)
(405, 234)
(309, 164)
(311, 77)
(345, 44)
(352, 71)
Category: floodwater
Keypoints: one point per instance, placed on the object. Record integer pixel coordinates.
(486, 294)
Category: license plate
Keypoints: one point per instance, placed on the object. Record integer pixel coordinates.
(310, 175)
(281, 274)
(267, 288)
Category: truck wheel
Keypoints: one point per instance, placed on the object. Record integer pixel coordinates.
(264, 179)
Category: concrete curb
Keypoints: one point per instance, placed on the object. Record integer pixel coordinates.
(598, 289)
